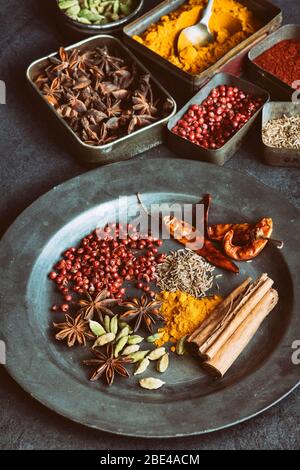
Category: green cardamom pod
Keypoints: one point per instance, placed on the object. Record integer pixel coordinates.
(150, 383)
(83, 20)
(163, 363)
(124, 332)
(96, 328)
(153, 338)
(132, 348)
(121, 343)
(135, 339)
(156, 354)
(138, 356)
(180, 346)
(73, 11)
(107, 323)
(141, 366)
(93, 3)
(114, 17)
(104, 339)
(114, 324)
(89, 15)
(126, 7)
(65, 4)
(101, 9)
(122, 324)
(116, 6)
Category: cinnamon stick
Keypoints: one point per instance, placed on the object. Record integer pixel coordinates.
(235, 317)
(219, 364)
(201, 334)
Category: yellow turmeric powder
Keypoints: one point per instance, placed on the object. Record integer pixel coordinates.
(231, 23)
(182, 314)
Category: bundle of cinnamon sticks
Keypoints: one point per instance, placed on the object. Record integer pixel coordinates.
(225, 333)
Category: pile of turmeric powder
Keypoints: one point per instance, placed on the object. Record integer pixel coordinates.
(182, 314)
(231, 23)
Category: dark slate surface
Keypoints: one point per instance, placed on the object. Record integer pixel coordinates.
(32, 162)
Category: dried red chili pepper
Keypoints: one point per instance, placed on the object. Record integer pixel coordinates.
(208, 251)
(217, 232)
(255, 244)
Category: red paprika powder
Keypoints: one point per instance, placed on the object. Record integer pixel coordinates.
(282, 60)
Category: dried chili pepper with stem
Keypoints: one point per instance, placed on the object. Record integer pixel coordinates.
(209, 251)
(258, 238)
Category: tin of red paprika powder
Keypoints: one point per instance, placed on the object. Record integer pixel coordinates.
(275, 61)
(282, 60)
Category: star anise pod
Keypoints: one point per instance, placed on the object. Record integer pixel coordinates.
(105, 88)
(88, 130)
(144, 84)
(142, 105)
(104, 138)
(107, 364)
(41, 80)
(143, 311)
(74, 330)
(123, 77)
(107, 62)
(67, 112)
(66, 81)
(61, 62)
(75, 103)
(53, 92)
(113, 108)
(81, 61)
(95, 116)
(100, 305)
(81, 82)
(139, 120)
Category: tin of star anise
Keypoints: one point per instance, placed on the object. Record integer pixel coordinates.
(77, 82)
(104, 77)
(107, 62)
(74, 330)
(106, 364)
(143, 311)
(100, 304)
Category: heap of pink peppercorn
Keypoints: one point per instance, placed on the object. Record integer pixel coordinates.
(213, 122)
(106, 262)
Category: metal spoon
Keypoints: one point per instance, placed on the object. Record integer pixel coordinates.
(199, 34)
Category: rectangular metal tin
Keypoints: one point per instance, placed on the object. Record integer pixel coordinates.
(125, 147)
(187, 149)
(267, 80)
(271, 17)
(275, 156)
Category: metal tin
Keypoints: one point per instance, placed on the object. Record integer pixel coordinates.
(125, 147)
(277, 88)
(270, 15)
(275, 156)
(187, 149)
(90, 29)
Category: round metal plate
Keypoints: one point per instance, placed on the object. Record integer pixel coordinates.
(191, 402)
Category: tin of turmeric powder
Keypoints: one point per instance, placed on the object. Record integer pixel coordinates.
(231, 23)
